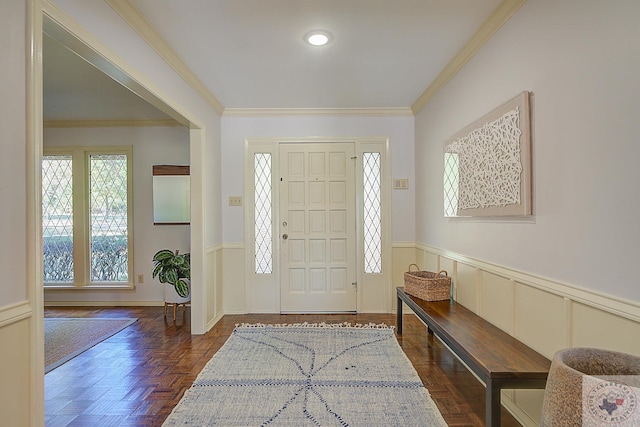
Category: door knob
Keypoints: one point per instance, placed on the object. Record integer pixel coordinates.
(285, 236)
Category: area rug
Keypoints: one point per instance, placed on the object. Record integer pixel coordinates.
(65, 338)
(308, 375)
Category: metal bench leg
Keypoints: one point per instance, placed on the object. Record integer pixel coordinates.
(492, 404)
(399, 316)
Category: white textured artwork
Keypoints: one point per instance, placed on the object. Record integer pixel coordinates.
(489, 165)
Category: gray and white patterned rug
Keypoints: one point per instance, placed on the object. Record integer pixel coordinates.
(308, 375)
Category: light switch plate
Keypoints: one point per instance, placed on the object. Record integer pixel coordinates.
(401, 184)
(235, 200)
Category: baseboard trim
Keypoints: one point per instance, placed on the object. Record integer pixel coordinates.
(103, 303)
(215, 320)
(237, 311)
(517, 413)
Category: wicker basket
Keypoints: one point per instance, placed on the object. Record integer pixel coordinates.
(427, 285)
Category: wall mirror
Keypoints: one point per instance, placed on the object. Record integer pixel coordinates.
(171, 195)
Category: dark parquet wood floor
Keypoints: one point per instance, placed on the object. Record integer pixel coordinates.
(136, 377)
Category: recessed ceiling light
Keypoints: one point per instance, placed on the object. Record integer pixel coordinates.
(318, 37)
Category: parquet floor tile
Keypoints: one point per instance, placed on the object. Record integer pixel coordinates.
(136, 377)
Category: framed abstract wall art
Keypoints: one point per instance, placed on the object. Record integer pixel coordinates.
(487, 165)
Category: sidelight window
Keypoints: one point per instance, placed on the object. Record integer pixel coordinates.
(372, 213)
(263, 214)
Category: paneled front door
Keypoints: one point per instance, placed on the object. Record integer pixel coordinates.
(317, 228)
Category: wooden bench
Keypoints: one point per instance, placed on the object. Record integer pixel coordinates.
(497, 358)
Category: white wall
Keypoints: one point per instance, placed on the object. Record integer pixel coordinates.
(151, 146)
(399, 130)
(156, 75)
(16, 310)
(580, 59)
(564, 277)
(13, 188)
(235, 129)
(109, 34)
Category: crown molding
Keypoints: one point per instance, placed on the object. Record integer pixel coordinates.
(501, 15)
(135, 19)
(109, 123)
(362, 112)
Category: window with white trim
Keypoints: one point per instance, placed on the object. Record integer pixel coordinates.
(87, 216)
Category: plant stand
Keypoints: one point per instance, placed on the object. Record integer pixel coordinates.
(172, 298)
(175, 308)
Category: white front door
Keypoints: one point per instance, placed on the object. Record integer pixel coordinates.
(317, 228)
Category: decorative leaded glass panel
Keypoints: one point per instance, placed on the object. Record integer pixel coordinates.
(372, 213)
(262, 214)
(108, 224)
(57, 218)
(451, 178)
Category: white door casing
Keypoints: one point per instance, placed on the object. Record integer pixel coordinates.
(317, 228)
(262, 290)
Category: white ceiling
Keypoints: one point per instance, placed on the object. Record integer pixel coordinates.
(251, 53)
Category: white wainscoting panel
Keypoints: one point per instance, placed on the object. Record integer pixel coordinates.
(233, 279)
(496, 300)
(466, 279)
(15, 370)
(545, 315)
(403, 255)
(526, 406)
(593, 327)
(219, 303)
(213, 264)
(539, 319)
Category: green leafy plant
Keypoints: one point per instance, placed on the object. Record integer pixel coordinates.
(171, 267)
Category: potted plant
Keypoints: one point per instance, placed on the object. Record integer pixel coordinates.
(173, 268)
